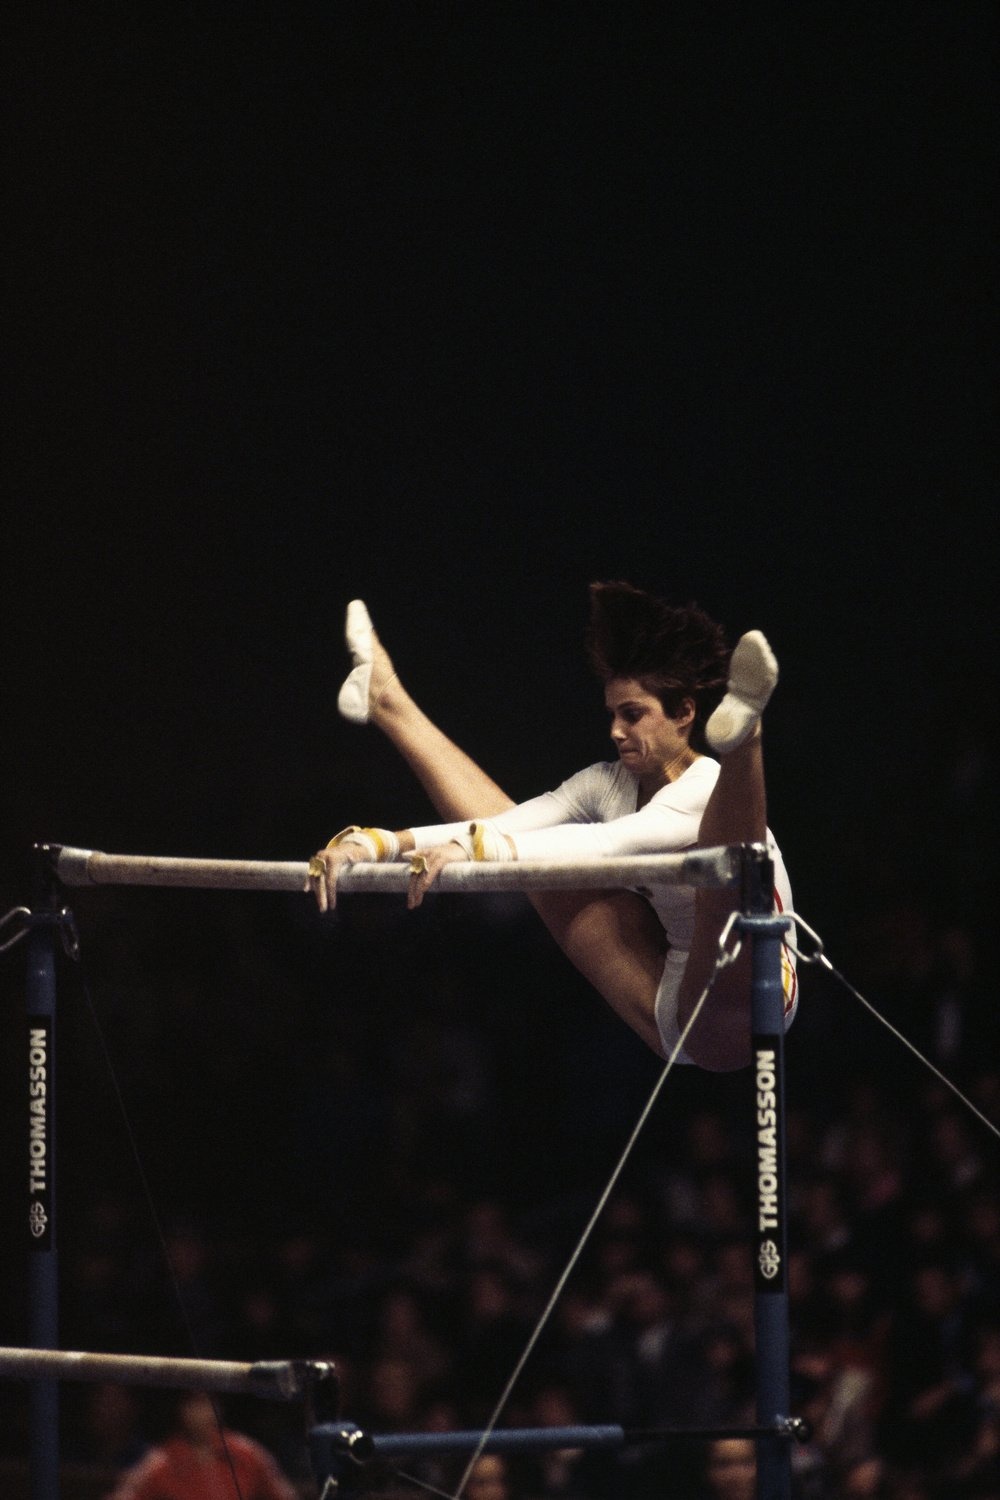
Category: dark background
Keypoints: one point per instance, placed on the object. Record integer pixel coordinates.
(458, 308)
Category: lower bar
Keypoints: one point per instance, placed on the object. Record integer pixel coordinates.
(501, 1440)
(339, 1450)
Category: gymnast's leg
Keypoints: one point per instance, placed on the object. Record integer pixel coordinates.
(720, 1038)
(457, 787)
(736, 813)
(615, 945)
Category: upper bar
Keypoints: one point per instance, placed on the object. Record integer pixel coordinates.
(717, 867)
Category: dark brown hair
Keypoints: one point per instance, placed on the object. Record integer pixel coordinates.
(676, 652)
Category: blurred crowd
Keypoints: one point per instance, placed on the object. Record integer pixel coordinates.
(409, 1217)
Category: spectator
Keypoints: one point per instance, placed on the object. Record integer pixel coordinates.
(930, 1409)
(562, 1473)
(866, 1480)
(402, 1332)
(202, 1460)
(393, 1396)
(109, 1429)
(489, 1479)
(493, 1334)
(731, 1470)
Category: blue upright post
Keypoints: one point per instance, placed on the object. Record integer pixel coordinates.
(40, 1207)
(774, 1459)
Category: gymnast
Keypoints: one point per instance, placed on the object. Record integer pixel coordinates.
(673, 692)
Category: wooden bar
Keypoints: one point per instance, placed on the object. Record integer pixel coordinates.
(282, 1380)
(716, 867)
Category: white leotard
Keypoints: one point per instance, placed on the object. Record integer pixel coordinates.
(593, 815)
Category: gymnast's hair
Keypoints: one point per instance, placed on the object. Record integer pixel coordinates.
(675, 652)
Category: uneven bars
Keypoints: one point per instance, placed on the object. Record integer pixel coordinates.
(278, 1380)
(716, 867)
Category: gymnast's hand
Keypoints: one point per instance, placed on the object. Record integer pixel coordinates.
(325, 866)
(425, 868)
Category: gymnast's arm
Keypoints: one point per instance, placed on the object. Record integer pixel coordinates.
(547, 811)
(352, 846)
(669, 822)
(572, 823)
(569, 822)
(437, 844)
(574, 799)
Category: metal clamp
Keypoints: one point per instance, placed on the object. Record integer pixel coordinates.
(728, 954)
(793, 1427)
(63, 919)
(15, 911)
(814, 955)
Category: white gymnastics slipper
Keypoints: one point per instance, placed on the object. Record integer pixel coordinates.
(352, 700)
(753, 676)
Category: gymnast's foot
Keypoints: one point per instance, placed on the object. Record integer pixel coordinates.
(373, 673)
(753, 676)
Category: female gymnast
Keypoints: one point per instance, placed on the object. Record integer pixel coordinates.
(673, 691)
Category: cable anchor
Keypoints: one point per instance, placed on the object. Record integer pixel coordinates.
(63, 919)
(816, 954)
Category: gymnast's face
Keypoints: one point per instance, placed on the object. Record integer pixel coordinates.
(650, 743)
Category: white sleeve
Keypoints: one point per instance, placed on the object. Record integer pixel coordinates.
(668, 822)
(575, 801)
(438, 833)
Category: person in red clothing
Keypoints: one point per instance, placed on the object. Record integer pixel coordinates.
(202, 1460)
